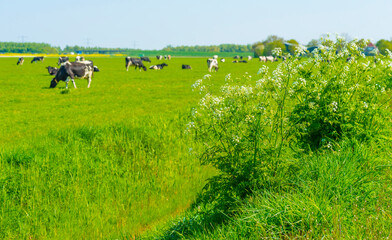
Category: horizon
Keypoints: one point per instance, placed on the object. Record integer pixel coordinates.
(155, 25)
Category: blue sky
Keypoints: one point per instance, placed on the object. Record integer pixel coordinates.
(154, 24)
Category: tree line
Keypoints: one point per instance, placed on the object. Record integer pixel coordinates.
(261, 48)
(28, 47)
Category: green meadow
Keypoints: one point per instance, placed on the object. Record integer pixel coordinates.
(111, 161)
(299, 149)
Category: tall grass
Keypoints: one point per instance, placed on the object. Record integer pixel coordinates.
(94, 182)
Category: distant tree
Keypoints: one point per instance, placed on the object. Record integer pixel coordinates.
(258, 49)
(273, 38)
(383, 45)
(291, 48)
(273, 42)
(313, 43)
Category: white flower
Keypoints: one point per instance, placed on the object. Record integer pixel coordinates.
(236, 139)
(207, 76)
(365, 105)
(277, 52)
(334, 106)
(263, 70)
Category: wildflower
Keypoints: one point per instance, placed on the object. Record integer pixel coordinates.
(334, 106)
(277, 52)
(365, 105)
(236, 139)
(228, 77)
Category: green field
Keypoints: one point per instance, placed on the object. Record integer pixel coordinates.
(106, 162)
(298, 149)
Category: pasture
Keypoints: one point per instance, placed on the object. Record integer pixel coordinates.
(106, 162)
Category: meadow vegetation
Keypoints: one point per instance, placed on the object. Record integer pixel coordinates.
(110, 161)
(295, 149)
(302, 150)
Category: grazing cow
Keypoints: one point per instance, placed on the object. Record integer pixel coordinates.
(186, 66)
(20, 61)
(249, 58)
(212, 64)
(159, 57)
(262, 59)
(138, 63)
(146, 59)
(71, 70)
(52, 70)
(158, 67)
(62, 60)
(222, 60)
(35, 59)
(269, 58)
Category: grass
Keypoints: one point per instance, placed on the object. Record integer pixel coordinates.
(107, 162)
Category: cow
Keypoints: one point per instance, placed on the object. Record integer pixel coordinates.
(269, 58)
(146, 59)
(20, 61)
(77, 59)
(222, 60)
(236, 57)
(62, 60)
(262, 59)
(52, 70)
(138, 63)
(159, 57)
(242, 61)
(186, 66)
(249, 58)
(35, 59)
(215, 57)
(212, 64)
(83, 69)
(159, 66)
(168, 57)
(235, 61)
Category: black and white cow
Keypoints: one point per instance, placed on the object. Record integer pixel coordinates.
(159, 57)
(62, 60)
(146, 59)
(159, 66)
(138, 63)
(70, 70)
(78, 59)
(20, 61)
(52, 70)
(186, 66)
(212, 64)
(35, 59)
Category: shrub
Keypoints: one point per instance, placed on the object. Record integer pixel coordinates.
(249, 128)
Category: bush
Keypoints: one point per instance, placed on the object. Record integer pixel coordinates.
(251, 130)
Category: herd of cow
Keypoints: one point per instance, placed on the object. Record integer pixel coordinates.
(82, 68)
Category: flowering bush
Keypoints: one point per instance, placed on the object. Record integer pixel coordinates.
(249, 127)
